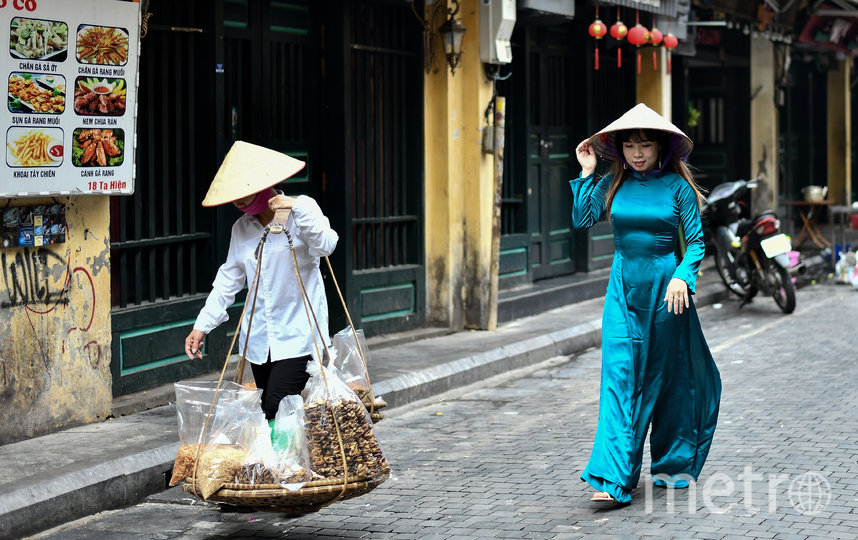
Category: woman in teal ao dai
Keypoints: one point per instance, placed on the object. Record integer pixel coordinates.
(657, 371)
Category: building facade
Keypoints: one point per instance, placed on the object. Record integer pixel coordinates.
(395, 152)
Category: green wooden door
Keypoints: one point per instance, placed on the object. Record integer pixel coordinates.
(211, 73)
(721, 153)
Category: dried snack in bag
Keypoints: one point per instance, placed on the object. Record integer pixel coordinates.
(234, 427)
(217, 466)
(338, 426)
(193, 405)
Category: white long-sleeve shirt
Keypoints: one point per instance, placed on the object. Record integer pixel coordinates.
(280, 322)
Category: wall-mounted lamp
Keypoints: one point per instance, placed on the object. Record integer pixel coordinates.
(451, 32)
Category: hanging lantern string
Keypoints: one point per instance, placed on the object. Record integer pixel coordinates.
(619, 49)
(638, 36)
(618, 32)
(655, 39)
(597, 30)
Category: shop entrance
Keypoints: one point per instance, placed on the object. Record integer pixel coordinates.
(336, 84)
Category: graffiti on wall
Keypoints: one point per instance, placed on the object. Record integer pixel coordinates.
(27, 277)
(41, 281)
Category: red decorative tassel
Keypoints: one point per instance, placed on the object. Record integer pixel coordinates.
(597, 58)
(668, 63)
(619, 58)
(654, 61)
(639, 62)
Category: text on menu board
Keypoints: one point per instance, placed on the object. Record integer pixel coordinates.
(20, 5)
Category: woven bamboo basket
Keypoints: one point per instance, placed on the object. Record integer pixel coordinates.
(316, 494)
(275, 498)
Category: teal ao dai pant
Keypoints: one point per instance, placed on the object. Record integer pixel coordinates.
(657, 371)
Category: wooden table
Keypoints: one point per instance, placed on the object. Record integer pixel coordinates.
(809, 212)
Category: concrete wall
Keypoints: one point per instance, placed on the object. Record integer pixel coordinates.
(55, 325)
(459, 187)
(840, 133)
(764, 124)
(653, 82)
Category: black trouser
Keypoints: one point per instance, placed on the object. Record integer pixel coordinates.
(279, 379)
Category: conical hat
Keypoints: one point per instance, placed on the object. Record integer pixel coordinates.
(248, 169)
(639, 117)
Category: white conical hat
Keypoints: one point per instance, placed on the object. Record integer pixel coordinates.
(248, 169)
(639, 117)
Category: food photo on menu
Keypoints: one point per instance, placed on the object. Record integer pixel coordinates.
(36, 39)
(103, 45)
(34, 147)
(36, 93)
(99, 97)
(98, 147)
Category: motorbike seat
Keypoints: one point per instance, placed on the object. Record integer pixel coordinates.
(744, 226)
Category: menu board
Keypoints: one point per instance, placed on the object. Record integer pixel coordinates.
(70, 112)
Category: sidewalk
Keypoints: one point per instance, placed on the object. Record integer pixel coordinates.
(66, 475)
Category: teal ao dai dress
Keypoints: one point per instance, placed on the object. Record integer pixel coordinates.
(656, 367)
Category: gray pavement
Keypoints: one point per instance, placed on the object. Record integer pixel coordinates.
(501, 458)
(76, 472)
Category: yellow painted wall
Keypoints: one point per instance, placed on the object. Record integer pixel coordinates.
(459, 189)
(840, 133)
(764, 124)
(55, 325)
(653, 85)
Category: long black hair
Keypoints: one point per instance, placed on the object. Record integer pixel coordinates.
(621, 171)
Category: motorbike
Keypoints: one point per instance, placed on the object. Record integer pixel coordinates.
(750, 252)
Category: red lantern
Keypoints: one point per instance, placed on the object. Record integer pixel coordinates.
(618, 32)
(597, 30)
(670, 43)
(655, 39)
(638, 36)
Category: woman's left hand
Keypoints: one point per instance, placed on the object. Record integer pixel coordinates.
(677, 296)
(279, 202)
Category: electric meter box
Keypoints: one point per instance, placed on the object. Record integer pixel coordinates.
(497, 20)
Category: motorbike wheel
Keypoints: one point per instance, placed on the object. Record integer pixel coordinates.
(783, 288)
(722, 264)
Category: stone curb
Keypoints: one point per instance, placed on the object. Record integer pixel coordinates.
(128, 480)
(113, 484)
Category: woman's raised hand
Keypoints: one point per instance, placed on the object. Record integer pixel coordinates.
(280, 202)
(586, 157)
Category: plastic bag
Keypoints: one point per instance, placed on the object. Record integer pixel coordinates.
(236, 425)
(193, 403)
(333, 413)
(347, 360)
(280, 455)
(845, 268)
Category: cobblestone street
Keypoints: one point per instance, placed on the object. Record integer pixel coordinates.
(502, 459)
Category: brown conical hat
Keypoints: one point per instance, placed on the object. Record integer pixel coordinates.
(248, 169)
(639, 117)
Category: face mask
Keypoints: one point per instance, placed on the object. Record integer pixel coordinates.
(259, 204)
